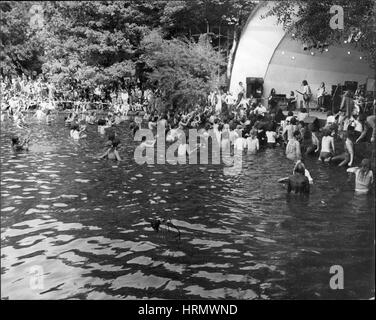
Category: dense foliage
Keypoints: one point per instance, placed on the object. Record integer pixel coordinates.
(21, 47)
(184, 70)
(90, 43)
(309, 22)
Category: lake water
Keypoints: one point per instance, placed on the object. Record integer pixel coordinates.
(84, 225)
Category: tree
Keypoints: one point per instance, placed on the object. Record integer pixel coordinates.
(309, 22)
(185, 71)
(221, 19)
(21, 47)
(91, 43)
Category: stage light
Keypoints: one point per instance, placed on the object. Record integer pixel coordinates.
(312, 53)
(326, 50)
(360, 58)
(345, 41)
(348, 52)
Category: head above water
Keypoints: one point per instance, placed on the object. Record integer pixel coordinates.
(300, 168)
(116, 142)
(15, 140)
(366, 164)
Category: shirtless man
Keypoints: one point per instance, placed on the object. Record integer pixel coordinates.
(298, 182)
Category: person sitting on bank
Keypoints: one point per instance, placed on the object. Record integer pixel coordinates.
(298, 182)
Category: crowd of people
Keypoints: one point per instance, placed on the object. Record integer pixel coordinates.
(239, 123)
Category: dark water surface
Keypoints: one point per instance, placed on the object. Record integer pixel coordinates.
(86, 224)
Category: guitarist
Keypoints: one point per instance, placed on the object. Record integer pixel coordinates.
(307, 94)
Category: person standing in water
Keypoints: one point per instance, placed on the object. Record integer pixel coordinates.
(363, 176)
(298, 182)
(327, 146)
(293, 151)
(112, 153)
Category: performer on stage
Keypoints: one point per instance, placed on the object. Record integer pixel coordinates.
(307, 94)
(241, 93)
(320, 96)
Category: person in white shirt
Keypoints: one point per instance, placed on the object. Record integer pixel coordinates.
(306, 172)
(230, 100)
(302, 115)
(271, 138)
(218, 106)
(241, 92)
(75, 133)
(240, 144)
(260, 109)
(39, 114)
(330, 119)
(321, 91)
(253, 144)
(363, 176)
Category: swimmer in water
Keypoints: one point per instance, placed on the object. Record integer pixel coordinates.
(102, 126)
(148, 144)
(17, 145)
(21, 123)
(293, 151)
(306, 173)
(184, 148)
(75, 132)
(298, 182)
(327, 146)
(70, 119)
(39, 114)
(253, 142)
(363, 176)
(112, 153)
(134, 127)
(48, 117)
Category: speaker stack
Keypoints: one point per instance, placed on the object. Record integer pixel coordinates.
(255, 87)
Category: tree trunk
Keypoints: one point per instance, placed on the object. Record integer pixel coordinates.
(231, 56)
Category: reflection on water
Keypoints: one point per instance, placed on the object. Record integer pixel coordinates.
(86, 224)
